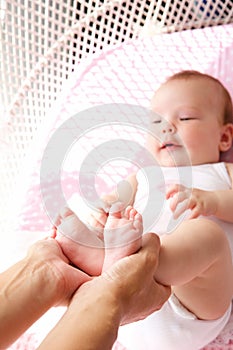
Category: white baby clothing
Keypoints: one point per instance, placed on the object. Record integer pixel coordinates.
(171, 328)
(174, 327)
(150, 199)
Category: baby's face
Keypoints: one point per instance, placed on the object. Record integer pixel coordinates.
(190, 124)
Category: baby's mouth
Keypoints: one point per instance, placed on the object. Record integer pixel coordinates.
(169, 145)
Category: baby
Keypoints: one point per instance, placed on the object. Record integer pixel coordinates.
(196, 256)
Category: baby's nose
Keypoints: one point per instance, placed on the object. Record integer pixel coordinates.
(168, 128)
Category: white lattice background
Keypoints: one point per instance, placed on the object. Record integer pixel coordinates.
(42, 42)
(58, 58)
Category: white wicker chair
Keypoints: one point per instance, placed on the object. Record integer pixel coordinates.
(43, 42)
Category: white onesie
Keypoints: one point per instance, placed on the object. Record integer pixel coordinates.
(174, 327)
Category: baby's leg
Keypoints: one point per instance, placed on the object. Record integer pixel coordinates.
(81, 245)
(122, 234)
(196, 260)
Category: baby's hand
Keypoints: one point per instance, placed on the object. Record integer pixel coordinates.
(97, 217)
(96, 220)
(200, 202)
(65, 212)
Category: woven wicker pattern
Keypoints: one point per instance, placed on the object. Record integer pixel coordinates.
(42, 41)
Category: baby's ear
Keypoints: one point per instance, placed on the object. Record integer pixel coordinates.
(226, 137)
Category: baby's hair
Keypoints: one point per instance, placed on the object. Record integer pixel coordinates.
(192, 74)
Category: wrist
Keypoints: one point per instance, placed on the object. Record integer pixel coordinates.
(106, 296)
(106, 312)
(48, 282)
(95, 304)
(39, 280)
(26, 294)
(213, 203)
(117, 296)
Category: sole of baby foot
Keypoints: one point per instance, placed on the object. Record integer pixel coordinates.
(122, 235)
(86, 258)
(80, 245)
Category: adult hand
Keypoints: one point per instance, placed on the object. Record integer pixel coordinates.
(30, 287)
(47, 255)
(133, 279)
(126, 292)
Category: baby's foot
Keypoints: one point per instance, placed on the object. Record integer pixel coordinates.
(122, 234)
(81, 245)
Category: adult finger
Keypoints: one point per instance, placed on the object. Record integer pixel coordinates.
(133, 277)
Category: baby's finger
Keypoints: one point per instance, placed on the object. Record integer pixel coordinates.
(116, 209)
(128, 211)
(177, 199)
(195, 213)
(173, 189)
(97, 220)
(132, 213)
(181, 208)
(57, 221)
(65, 212)
(102, 205)
(106, 207)
(53, 232)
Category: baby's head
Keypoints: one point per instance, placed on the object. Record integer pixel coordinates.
(220, 90)
(196, 120)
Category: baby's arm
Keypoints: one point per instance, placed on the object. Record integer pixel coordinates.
(218, 203)
(225, 199)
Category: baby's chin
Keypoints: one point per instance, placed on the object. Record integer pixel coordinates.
(173, 157)
(175, 163)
